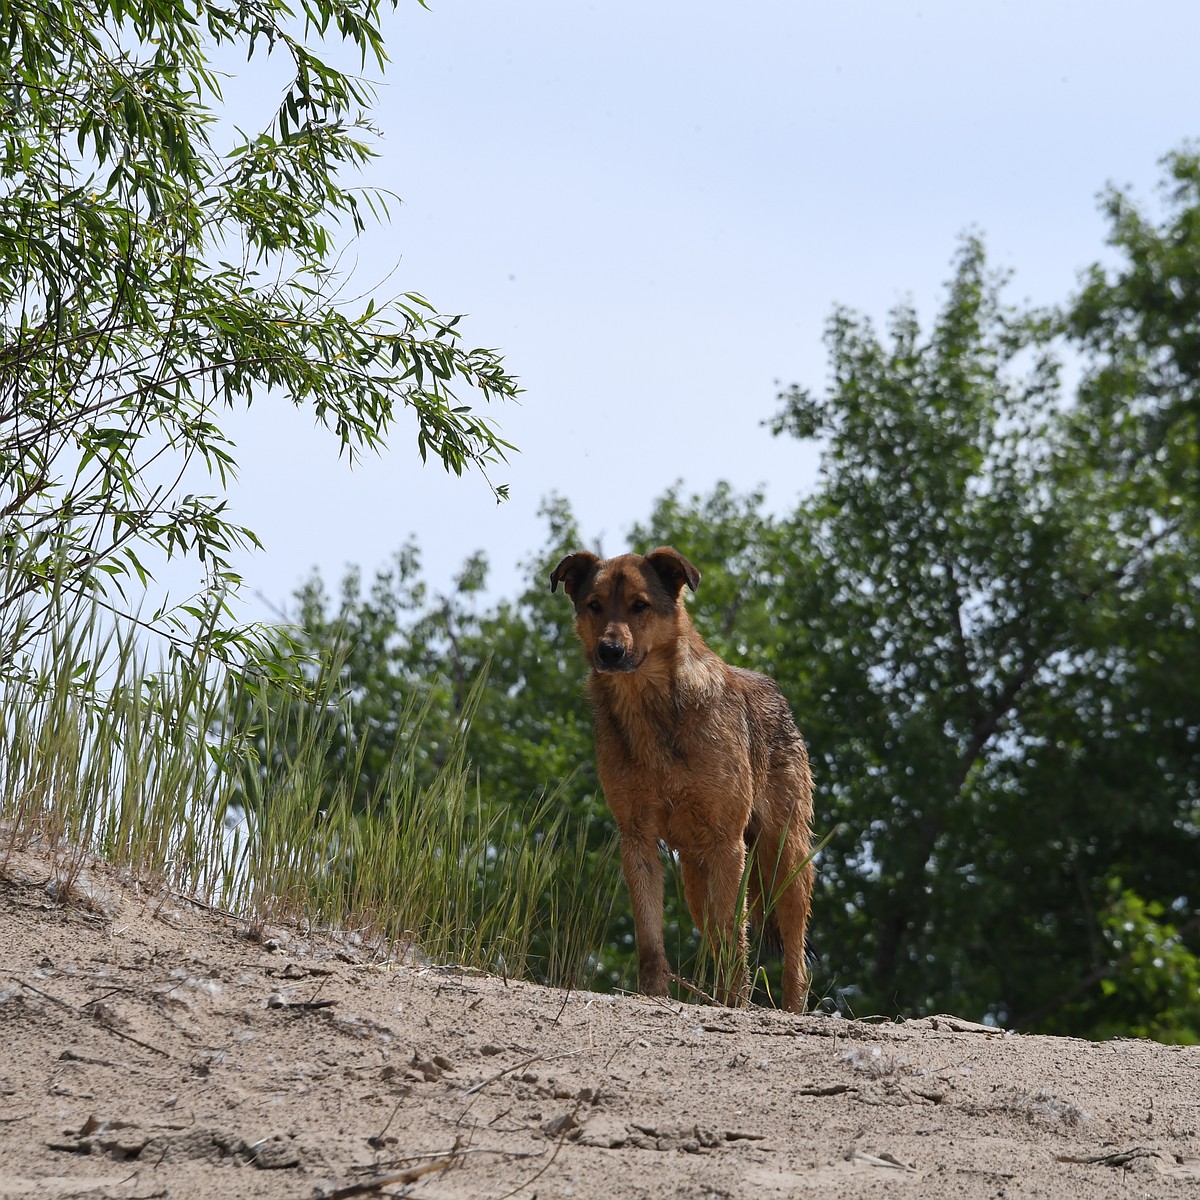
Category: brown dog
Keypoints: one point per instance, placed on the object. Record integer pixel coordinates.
(700, 755)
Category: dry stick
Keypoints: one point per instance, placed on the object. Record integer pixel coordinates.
(691, 987)
(478, 1087)
(185, 898)
(563, 1009)
(379, 1136)
(74, 1011)
(136, 1041)
(116, 1032)
(458, 1153)
(568, 1125)
(1117, 1158)
(69, 1055)
(881, 1160)
(145, 1195)
(501, 1074)
(44, 995)
(303, 1005)
(375, 1185)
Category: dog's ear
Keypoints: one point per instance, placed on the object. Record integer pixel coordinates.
(673, 569)
(572, 571)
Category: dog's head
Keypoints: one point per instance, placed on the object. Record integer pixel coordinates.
(625, 607)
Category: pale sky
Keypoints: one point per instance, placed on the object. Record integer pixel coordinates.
(651, 209)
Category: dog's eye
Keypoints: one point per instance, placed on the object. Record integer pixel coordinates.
(639, 606)
(595, 606)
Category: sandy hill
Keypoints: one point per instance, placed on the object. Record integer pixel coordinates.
(152, 1049)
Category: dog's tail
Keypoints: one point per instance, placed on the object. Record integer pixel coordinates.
(767, 929)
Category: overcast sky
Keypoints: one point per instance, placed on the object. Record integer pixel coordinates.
(651, 209)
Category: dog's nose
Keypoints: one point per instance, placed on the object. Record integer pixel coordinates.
(610, 654)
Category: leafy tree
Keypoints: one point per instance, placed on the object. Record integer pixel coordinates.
(1149, 988)
(157, 270)
(1138, 327)
(990, 598)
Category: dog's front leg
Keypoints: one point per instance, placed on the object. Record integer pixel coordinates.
(644, 879)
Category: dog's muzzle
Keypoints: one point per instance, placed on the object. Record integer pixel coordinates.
(611, 656)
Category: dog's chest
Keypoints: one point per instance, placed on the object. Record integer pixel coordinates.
(653, 735)
(666, 769)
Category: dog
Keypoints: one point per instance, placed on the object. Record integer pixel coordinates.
(698, 754)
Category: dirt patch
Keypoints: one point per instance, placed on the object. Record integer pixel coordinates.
(151, 1049)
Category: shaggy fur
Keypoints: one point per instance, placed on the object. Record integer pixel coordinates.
(697, 754)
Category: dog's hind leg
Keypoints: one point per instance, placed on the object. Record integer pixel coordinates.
(786, 871)
(716, 898)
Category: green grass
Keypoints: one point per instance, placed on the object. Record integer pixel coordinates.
(103, 754)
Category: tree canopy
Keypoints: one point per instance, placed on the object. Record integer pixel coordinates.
(1001, 609)
(158, 267)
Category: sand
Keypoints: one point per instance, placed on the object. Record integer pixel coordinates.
(150, 1047)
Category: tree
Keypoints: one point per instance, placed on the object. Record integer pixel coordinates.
(1138, 327)
(151, 278)
(992, 603)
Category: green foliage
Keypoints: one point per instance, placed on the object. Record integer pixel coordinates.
(1138, 326)
(1159, 982)
(1009, 593)
(156, 270)
(992, 600)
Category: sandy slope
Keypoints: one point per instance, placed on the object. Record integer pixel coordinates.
(148, 1048)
